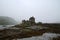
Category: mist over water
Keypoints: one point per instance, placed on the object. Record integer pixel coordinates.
(43, 10)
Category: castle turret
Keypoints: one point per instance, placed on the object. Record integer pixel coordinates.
(32, 20)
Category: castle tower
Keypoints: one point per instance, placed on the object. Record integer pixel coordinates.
(32, 20)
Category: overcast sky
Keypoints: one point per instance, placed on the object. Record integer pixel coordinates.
(43, 10)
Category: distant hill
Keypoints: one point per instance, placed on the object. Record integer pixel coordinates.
(7, 21)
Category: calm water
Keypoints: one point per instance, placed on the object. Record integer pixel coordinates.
(45, 36)
(7, 26)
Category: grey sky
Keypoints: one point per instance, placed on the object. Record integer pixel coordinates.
(42, 10)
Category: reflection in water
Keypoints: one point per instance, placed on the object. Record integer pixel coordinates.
(45, 36)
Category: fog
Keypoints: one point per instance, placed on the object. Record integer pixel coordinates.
(46, 11)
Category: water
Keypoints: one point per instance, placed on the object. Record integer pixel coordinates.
(45, 36)
(6, 26)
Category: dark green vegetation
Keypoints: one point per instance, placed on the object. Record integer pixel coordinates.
(23, 31)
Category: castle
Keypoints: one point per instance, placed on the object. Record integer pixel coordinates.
(29, 22)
